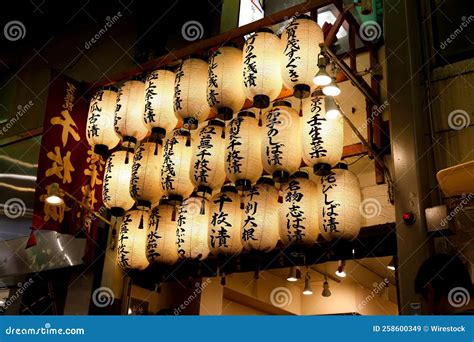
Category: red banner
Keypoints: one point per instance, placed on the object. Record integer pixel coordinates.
(67, 159)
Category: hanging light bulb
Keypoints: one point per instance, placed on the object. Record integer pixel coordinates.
(161, 237)
(100, 132)
(207, 161)
(340, 201)
(281, 152)
(261, 67)
(224, 85)
(294, 274)
(225, 222)
(332, 89)
(326, 292)
(391, 265)
(322, 139)
(307, 291)
(159, 113)
(132, 241)
(301, 41)
(260, 217)
(128, 120)
(340, 272)
(332, 110)
(190, 92)
(53, 196)
(322, 78)
(243, 161)
(176, 168)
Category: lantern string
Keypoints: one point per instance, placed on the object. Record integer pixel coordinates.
(140, 226)
(260, 117)
(126, 154)
(242, 200)
(301, 108)
(203, 204)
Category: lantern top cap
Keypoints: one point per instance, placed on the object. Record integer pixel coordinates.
(265, 30)
(110, 87)
(165, 68)
(246, 113)
(196, 56)
(216, 122)
(303, 16)
(282, 103)
(266, 180)
(229, 44)
(139, 77)
(229, 188)
(182, 132)
(342, 166)
(300, 174)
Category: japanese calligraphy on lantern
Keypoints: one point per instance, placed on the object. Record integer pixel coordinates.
(295, 218)
(250, 211)
(204, 148)
(331, 208)
(233, 160)
(273, 150)
(212, 85)
(315, 122)
(291, 50)
(250, 64)
(153, 236)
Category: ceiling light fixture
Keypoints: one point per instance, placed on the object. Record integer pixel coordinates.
(326, 292)
(391, 265)
(340, 272)
(332, 109)
(307, 291)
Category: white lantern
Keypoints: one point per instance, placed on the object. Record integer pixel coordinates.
(129, 112)
(145, 185)
(161, 237)
(190, 92)
(132, 241)
(298, 219)
(175, 171)
(243, 162)
(207, 162)
(301, 41)
(100, 130)
(192, 226)
(116, 186)
(224, 86)
(261, 61)
(260, 219)
(340, 203)
(159, 113)
(224, 222)
(322, 136)
(281, 148)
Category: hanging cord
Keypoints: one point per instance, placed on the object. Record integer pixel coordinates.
(260, 117)
(301, 108)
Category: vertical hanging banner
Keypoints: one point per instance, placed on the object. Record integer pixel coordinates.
(67, 159)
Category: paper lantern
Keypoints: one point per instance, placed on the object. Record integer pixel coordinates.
(340, 202)
(132, 241)
(261, 61)
(145, 186)
(224, 85)
(161, 236)
(129, 112)
(190, 92)
(243, 162)
(116, 186)
(301, 41)
(100, 130)
(175, 171)
(159, 113)
(298, 219)
(260, 218)
(281, 148)
(224, 222)
(207, 162)
(322, 137)
(192, 228)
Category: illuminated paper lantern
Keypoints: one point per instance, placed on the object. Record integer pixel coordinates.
(301, 41)
(340, 202)
(261, 71)
(161, 236)
(243, 162)
(281, 148)
(190, 92)
(260, 218)
(116, 186)
(176, 168)
(192, 228)
(224, 85)
(322, 137)
(207, 162)
(224, 222)
(159, 113)
(298, 219)
(145, 185)
(132, 241)
(129, 112)
(100, 130)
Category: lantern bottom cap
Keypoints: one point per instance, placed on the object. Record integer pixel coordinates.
(261, 101)
(225, 113)
(322, 169)
(280, 176)
(301, 91)
(175, 199)
(243, 184)
(101, 149)
(204, 190)
(117, 211)
(143, 205)
(159, 132)
(190, 123)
